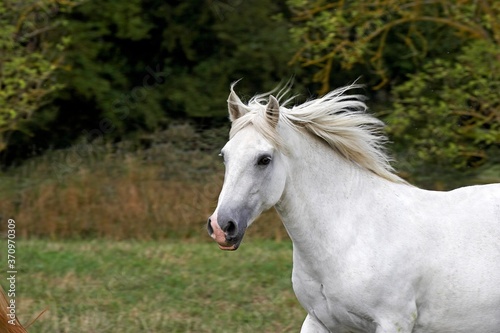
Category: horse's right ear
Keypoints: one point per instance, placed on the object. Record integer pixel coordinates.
(234, 106)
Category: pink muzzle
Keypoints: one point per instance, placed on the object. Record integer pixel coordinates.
(219, 235)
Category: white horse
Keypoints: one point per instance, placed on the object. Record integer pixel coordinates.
(371, 253)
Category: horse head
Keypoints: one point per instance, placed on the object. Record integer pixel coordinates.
(255, 173)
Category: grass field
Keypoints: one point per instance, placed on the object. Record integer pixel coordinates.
(111, 238)
(158, 286)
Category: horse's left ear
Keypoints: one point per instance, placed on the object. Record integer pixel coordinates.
(273, 111)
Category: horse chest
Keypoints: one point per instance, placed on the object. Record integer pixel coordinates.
(335, 310)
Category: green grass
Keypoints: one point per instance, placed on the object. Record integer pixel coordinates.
(129, 286)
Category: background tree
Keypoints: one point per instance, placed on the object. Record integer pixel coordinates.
(83, 70)
(386, 39)
(132, 67)
(246, 40)
(446, 118)
(438, 61)
(29, 59)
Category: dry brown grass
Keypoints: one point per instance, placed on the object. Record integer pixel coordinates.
(165, 191)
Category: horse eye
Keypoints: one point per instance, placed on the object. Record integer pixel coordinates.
(265, 160)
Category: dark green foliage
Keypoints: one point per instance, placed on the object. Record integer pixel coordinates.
(238, 39)
(437, 61)
(131, 67)
(29, 58)
(119, 70)
(446, 118)
(111, 85)
(384, 39)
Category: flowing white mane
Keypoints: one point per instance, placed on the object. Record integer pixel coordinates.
(340, 120)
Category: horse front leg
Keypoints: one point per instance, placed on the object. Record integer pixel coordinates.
(311, 325)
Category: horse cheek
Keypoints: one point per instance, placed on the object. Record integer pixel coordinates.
(275, 188)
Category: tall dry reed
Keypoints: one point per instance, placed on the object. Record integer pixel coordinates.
(166, 190)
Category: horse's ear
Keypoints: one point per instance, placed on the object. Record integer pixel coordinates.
(234, 106)
(273, 111)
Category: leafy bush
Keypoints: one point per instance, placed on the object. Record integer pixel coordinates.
(28, 62)
(447, 117)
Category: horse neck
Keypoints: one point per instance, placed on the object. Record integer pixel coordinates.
(322, 187)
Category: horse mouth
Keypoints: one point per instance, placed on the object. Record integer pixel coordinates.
(233, 247)
(225, 246)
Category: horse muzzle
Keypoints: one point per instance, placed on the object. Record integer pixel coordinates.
(226, 232)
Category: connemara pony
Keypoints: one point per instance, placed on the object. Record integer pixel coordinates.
(371, 253)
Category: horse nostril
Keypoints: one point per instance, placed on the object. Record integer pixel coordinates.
(209, 227)
(230, 229)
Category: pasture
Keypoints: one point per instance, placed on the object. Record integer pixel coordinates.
(113, 239)
(156, 286)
